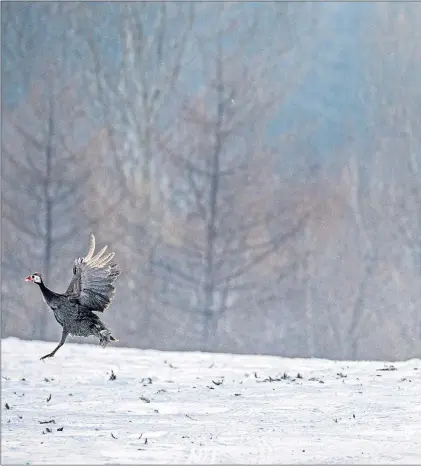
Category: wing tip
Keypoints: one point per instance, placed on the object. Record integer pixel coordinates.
(91, 246)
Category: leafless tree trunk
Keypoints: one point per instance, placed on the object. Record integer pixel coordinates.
(44, 181)
(136, 105)
(396, 138)
(309, 271)
(231, 223)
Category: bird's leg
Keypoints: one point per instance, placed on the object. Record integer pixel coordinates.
(63, 339)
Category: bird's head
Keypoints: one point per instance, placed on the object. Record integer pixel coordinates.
(35, 277)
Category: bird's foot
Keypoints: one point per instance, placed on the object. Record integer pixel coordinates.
(105, 337)
(50, 355)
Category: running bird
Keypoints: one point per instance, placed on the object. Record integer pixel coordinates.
(91, 290)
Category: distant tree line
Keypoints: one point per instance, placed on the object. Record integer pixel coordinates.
(158, 140)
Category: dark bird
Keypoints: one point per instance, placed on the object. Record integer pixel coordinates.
(91, 290)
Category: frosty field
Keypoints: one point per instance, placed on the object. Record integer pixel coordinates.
(118, 405)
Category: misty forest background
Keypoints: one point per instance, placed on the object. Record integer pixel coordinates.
(255, 167)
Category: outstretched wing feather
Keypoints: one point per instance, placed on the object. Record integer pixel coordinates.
(91, 247)
(92, 284)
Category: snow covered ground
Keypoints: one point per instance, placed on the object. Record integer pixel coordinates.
(118, 405)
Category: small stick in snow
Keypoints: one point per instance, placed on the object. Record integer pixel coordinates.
(188, 415)
(170, 365)
(388, 368)
(49, 398)
(112, 435)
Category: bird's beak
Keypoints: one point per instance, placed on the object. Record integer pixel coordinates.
(28, 279)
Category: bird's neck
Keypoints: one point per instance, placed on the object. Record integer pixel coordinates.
(47, 293)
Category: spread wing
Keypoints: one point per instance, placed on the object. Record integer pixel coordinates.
(93, 279)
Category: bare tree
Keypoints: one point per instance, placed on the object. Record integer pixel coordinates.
(134, 105)
(395, 101)
(44, 176)
(360, 321)
(223, 180)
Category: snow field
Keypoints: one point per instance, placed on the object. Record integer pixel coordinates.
(119, 405)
